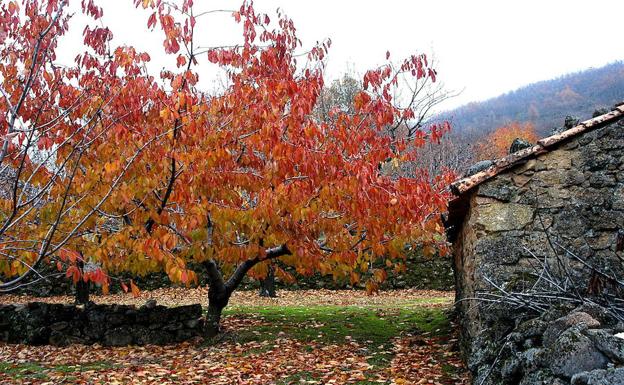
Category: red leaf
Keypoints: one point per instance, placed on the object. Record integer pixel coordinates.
(151, 22)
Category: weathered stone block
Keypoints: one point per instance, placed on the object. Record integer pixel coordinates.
(562, 324)
(551, 178)
(117, 337)
(496, 217)
(574, 352)
(599, 377)
(602, 179)
(618, 198)
(499, 190)
(608, 344)
(558, 160)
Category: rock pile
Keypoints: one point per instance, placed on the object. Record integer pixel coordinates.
(584, 346)
(39, 323)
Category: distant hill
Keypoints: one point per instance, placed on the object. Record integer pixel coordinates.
(545, 104)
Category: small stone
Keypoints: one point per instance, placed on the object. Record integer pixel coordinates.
(498, 189)
(58, 326)
(574, 352)
(598, 312)
(58, 339)
(532, 359)
(518, 144)
(554, 330)
(117, 337)
(599, 112)
(479, 166)
(608, 344)
(173, 326)
(571, 121)
(599, 377)
(511, 368)
(192, 324)
(150, 304)
(539, 377)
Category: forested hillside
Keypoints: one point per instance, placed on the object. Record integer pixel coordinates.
(546, 103)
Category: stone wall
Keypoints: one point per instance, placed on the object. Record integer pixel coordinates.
(39, 323)
(572, 196)
(434, 273)
(564, 345)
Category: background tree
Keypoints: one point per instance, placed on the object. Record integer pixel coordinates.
(497, 144)
(338, 97)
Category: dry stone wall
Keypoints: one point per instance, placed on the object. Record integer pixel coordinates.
(39, 323)
(571, 198)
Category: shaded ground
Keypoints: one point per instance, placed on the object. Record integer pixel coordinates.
(305, 337)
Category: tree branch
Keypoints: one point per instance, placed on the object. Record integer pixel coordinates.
(242, 269)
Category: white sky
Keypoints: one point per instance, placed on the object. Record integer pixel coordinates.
(482, 47)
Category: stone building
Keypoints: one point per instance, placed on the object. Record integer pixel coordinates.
(548, 216)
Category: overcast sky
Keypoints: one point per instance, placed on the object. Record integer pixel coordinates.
(482, 47)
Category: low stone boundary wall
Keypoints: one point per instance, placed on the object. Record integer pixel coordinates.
(40, 323)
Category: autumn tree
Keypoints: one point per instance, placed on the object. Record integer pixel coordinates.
(169, 175)
(60, 129)
(250, 176)
(497, 143)
(337, 97)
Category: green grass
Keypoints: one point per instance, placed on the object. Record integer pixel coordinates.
(371, 327)
(29, 370)
(334, 324)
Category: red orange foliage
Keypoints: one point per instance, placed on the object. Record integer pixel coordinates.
(497, 144)
(235, 179)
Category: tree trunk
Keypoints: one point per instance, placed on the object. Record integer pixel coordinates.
(267, 285)
(219, 291)
(82, 287)
(217, 300)
(213, 321)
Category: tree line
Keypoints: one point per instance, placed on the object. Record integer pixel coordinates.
(543, 104)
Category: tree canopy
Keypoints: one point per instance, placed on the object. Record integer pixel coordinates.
(161, 173)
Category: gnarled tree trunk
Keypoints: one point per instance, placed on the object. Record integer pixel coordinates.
(220, 291)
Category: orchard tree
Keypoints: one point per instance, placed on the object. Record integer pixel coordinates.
(60, 130)
(167, 175)
(497, 143)
(250, 176)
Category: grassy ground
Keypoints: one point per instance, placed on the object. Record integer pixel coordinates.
(399, 337)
